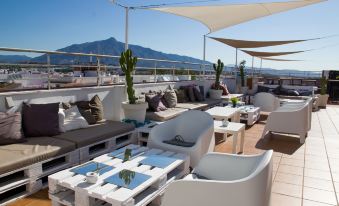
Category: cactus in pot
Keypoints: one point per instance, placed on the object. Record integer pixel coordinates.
(133, 110)
(244, 88)
(218, 68)
(128, 63)
(216, 90)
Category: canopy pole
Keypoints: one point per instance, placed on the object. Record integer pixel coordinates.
(236, 58)
(204, 56)
(252, 66)
(260, 64)
(126, 28)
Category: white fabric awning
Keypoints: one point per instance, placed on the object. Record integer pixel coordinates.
(223, 16)
(281, 60)
(270, 54)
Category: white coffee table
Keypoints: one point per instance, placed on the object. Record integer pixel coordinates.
(221, 113)
(233, 128)
(70, 188)
(249, 113)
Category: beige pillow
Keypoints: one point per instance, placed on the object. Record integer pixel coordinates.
(10, 128)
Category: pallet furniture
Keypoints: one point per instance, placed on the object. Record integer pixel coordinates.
(68, 188)
(142, 133)
(249, 114)
(233, 128)
(30, 179)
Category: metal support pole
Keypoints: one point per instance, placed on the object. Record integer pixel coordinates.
(98, 71)
(260, 64)
(204, 56)
(49, 71)
(155, 72)
(236, 58)
(126, 28)
(252, 66)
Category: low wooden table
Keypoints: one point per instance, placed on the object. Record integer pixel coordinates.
(143, 132)
(233, 128)
(70, 188)
(249, 113)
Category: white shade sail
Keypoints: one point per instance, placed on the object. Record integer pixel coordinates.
(270, 54)
(281, 60)
(223, 16)
(255, 44)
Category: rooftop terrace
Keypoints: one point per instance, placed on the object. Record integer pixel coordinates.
(304, 174)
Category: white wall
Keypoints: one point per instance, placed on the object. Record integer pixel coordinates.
(111, 96)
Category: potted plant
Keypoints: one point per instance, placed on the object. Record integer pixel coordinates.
(216, 90)
(133, 109)
(323, 97)
(244, 88)
(234, 101)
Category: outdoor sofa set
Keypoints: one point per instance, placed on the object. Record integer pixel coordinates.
(28, 159)
(185, 98)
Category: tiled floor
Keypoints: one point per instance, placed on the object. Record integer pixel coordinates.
(304, 175)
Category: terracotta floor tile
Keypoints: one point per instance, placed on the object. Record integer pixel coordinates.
(336, 185)
(292, 162)
(319, 195)
(289, 178)
(287, 189)
(294, 156)
(318, 174)
(335, 176)
(312, 203)
(291, 169)
(318, 183)
(319, 165)
(283, 200)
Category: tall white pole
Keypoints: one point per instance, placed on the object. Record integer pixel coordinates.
(236, 58)
(126, 28)
(252, 66)
(260, 64)
(204, 56)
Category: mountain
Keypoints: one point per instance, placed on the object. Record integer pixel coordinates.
(14, 58)
(113, 47)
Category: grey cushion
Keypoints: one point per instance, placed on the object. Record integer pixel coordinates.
(161, 116)
(40, 120)
(95, 133)
(199, 105)
(36, 149)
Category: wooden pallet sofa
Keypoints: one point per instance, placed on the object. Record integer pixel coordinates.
(24, 167)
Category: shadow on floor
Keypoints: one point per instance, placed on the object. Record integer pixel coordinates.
(285, 144)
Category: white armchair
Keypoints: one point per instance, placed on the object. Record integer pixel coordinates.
(290, 119)
(232, 180)
(194, 126)
(266, 101)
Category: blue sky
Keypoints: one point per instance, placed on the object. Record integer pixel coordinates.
(53, 24)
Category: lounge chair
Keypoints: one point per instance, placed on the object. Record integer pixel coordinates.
(193, 126)
(266, 101)
(290, 119)
(224, 179)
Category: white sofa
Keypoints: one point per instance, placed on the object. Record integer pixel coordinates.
(266, 101)
(232, 180)
(292, 118)
(194, 126)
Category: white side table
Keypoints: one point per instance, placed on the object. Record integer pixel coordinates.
(221, 113)
(233, 128)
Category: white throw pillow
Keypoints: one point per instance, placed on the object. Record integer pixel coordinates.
(73, 120)
(61, 115)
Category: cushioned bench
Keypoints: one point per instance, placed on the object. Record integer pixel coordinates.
(170, 113)
(95, 133)
(36, 149)
(162, 116)
(199, 105)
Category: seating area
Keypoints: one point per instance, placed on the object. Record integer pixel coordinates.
(192, 151)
